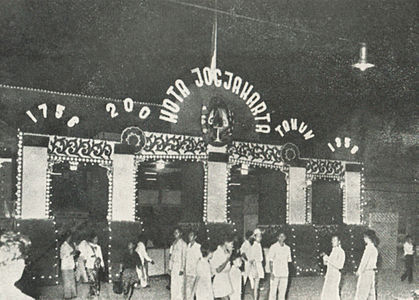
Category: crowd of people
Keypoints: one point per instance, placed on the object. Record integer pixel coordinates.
(82, 263)
(203, 272)
(198, 271)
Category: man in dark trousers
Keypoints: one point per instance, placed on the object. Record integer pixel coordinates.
(408, 249)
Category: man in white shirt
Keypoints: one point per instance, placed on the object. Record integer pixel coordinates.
(334, 263)
(408, 250)
(279, 256)
(244, 251)
(193, 254)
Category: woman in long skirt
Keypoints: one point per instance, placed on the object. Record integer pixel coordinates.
(334, 263)
(365, 289)
(92, 260)
(131, 261)
(220, 266)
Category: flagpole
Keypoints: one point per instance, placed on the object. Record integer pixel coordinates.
(214, 42)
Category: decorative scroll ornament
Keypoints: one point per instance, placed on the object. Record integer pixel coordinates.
(290, 152)
(324, 168)
(161, 144)
(256, 153)
(133, 136)
(80, 148)
(217, 123)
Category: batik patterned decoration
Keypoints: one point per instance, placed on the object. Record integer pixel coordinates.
(172, 145)
(255, 154)
(322, 168)
(80, 148)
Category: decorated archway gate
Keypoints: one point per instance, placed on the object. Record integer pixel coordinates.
(37, 154)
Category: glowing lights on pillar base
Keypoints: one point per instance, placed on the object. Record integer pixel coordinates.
(316, 233)
(294, 261)
(19, 175)
(363, 201)
(309, 198)
(109, 251)
(205, 212)
(287, 204)
(351, 235)
(228, 198)
(135, 203)
(57, 250)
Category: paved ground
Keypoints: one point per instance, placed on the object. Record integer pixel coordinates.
(389, 287)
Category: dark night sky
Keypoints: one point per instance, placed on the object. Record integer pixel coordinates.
(297, 54)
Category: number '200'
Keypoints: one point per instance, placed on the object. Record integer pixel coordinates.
(128, 107)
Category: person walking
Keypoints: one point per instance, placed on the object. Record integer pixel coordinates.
(365, 288)
(244, 251)
(279, 256)
(94, 263)
(67, 253)
(145, 260)
(256, 263)
(203, 285)
(193, 254)
(220, 265)
(334, 263)
(177, 267)
(131, 261)
(408, 252)
(236, 276)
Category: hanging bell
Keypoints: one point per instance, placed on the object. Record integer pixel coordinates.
(362, 63)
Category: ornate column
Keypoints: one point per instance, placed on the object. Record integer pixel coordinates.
(352, 198)
(297, 195)
(33, 178)
(123, 200)
(217, 184)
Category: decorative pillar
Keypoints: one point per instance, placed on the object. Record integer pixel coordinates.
(34, 182)
(217, 184)
(297, 196)
(123, 200)
(352, 198)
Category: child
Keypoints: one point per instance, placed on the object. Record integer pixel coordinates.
(408, 256)
(256, 259)
(236, 277)
(202, 287)
(279, 257)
